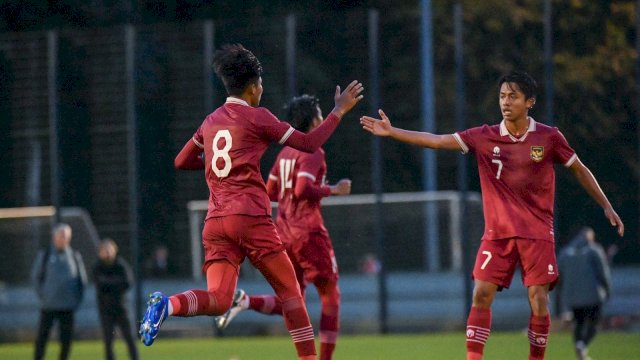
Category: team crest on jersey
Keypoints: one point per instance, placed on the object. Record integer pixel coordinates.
(537, 153)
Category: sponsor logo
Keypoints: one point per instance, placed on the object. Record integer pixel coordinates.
(470, 333)
(537, 153)
(551, 271)
(541, 341)
(496, 151)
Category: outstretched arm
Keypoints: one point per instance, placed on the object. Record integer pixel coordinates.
(344, 102)
(190, 157)
(382, 127)
(590, 184)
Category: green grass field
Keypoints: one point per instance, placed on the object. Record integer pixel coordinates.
(507, 346)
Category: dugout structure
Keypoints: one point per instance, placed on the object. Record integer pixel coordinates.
(349, 220)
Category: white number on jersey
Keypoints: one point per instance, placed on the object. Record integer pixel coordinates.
(486, 261)
(499, 162)
(286, 174)
(221, 153)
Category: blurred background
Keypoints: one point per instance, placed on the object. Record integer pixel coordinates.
(97, 98)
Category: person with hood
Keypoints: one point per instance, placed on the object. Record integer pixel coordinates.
(585, 285)
(60, 278)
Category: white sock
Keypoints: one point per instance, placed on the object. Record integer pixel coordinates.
(170, 309)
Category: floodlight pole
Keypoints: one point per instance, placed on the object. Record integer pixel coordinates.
(460, 116)
(291, 56)
(429, 166)
(133, 159)
(54, 128)
(377, 166)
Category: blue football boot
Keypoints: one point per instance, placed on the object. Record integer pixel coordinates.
(157, 311)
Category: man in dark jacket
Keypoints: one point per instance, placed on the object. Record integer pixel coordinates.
(584, 285)
(112, 277)
(59, 277)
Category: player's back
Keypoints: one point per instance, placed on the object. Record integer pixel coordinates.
(291, 167)
(234, 137)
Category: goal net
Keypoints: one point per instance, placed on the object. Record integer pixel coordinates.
(24, 231)
(422, 230)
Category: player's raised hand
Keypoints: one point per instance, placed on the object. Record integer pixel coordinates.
(347, 99)
(614, 219)
(379, 127)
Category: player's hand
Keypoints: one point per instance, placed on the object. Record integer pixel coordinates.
(342, 187)
(347, 99)
(614, 219)
(379, 127)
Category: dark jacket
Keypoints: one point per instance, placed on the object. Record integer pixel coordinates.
(585, 278)
(61, 286)
(112, 281)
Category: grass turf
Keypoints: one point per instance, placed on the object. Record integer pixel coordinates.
(445, 346)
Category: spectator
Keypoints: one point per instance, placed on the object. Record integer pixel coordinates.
(59, 277)
(112, 276)
(158, 265)
(584, 286)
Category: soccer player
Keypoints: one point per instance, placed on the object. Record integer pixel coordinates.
(238, 223)
(297, 183)
(515, 163)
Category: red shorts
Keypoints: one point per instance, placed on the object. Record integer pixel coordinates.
(497, 260)
(312, 256)
(233, 237)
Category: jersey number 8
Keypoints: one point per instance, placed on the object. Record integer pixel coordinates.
(221, 153)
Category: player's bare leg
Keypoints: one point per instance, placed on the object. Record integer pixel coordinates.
(479, 320)
(539, 322)
(278, 271)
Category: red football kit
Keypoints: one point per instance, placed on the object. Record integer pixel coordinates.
(517, 180)
(297, 182)
(238, 223)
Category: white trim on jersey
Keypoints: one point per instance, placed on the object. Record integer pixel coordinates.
(505, 132)
(273, 177)
(571, 160)
(286, 135)
(201, 146)
(465, 148)
(307, 175)
(233, 100)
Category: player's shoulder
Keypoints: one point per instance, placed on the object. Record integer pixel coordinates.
(544, 128)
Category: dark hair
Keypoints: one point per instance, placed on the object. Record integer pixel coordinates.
(301, 111)
(237, 67)
(525, 83)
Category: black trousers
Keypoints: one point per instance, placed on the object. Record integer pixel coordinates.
(110, 318)
(586, 319)
(65, 321)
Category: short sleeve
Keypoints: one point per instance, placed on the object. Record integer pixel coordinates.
(270, 128)
(274, 173)
(311, 165)
(467, 139)
(198, 138)
(563, 153)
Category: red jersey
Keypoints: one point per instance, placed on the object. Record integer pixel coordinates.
(517, 177)
(234, 138)
(298, 209)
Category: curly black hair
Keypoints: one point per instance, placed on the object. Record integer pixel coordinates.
(301, 111)
(237, 67)
(525, 83)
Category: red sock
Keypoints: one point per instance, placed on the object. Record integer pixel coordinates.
(538, 336)
(329, 323)
(297, 321)
(265, 304)
(330, 317)
(478, 330)
(193, 303)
